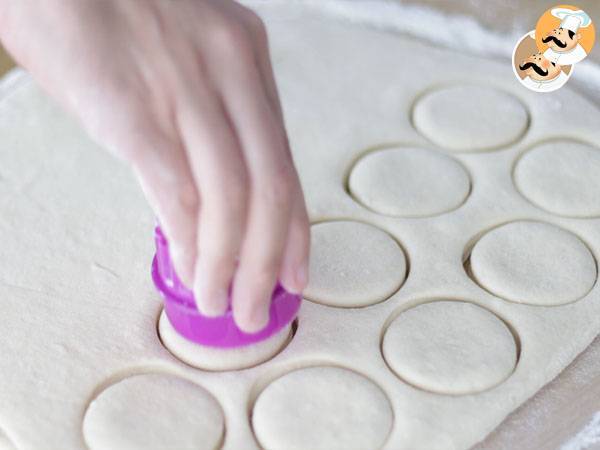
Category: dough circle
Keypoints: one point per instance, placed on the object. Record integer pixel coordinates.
(470, 118)
(322, 407)
(450, 347)
(534, 263)
(561, 177)
(353, 264)
(212, 358)
(409, 182)
(154, 411)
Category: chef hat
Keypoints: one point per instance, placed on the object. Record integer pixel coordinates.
(572, 20)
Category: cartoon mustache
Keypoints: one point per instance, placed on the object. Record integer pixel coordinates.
(538, 69)
(556, 41)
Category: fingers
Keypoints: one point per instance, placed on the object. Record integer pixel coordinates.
(218, 168)
(294, 268)
(165, 178)
(261, 254)
(273, 183)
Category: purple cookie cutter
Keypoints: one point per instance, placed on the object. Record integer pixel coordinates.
(221, 331)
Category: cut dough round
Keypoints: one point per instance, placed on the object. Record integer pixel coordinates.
(154, 411)
(450, 347)
(212, 358)
(409, 182)
(353, 264)
(534, 263)
(470, 118)
(322, 408)
(561, 177)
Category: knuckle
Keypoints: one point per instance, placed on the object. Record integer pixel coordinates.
(232, 39)
(279, 189)
(186, 196)
(256, 24)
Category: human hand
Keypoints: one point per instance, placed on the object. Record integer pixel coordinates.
(184, 92)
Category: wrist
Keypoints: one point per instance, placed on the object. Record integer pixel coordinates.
(5, 7)
(9, 12)
(26, 26)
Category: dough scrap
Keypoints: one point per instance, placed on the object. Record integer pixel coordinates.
(154, 411)
(353, 264)
(409, 182)
(450, 347)
(470, 118)
(322, 408)
(534, 263)
(561, 177)
(212, 358)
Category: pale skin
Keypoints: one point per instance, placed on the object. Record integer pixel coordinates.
(184, 92)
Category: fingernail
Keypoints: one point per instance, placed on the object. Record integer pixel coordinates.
(198, 294)
(258, 319)
(219, 302)
(262, 317)
(213, 304)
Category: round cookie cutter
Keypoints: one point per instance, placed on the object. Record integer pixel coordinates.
(221, 331)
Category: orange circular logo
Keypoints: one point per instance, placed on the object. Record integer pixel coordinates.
(575, 26)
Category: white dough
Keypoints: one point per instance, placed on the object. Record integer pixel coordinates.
(534, 263)
(322, 407)
(154, 412)
(213, 358)
(5, 443)
(450, 347)
(409, 182)
(79, 309)
(470, 118)
(353, 264)
(561, 176)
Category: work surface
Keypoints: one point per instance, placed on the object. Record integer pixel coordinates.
(79, 304)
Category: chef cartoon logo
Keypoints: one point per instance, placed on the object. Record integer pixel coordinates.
(545, 58)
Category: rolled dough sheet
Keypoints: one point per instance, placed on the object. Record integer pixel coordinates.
(409, 182)
(322, 408)
(74, 277)
(154, 412)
